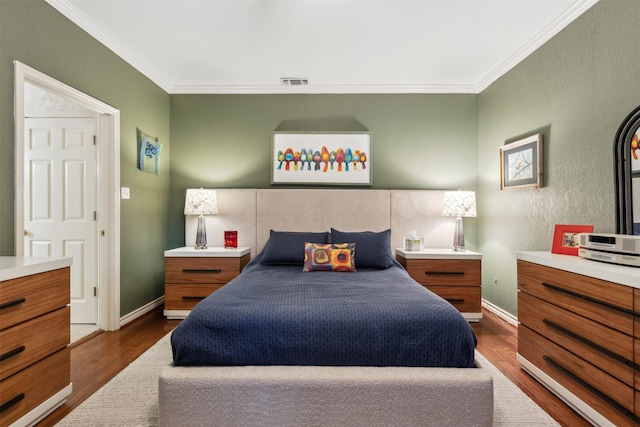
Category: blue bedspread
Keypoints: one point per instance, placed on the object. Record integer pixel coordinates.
(278, 315)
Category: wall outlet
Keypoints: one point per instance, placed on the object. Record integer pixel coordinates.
(125, 193)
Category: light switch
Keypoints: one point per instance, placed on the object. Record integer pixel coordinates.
(125, 193)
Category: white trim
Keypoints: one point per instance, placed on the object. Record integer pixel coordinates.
(139, 312)
(41, 411)
(564, 394)
(109, 203)
(66, 8)
(507, 317)
(544, 36)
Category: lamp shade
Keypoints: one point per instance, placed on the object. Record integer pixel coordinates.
(201, 201)
(459, 203)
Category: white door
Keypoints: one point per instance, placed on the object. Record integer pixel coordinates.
(60, 202)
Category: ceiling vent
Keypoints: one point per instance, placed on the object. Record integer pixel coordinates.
(294, 81)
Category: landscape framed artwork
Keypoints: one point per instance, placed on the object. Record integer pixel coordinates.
(322, 158)
(565, 238)
(521, 163)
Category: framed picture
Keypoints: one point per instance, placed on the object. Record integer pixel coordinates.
(565, 238)
(148, 153)
(321, 158)
(521, 163)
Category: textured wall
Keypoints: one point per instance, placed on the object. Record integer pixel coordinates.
(418, 141)
(577, 88)
(35, 34)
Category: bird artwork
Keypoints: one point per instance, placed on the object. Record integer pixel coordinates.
(317, 159)
(296, 159)
(280, 159)
(355, 159)
(634, 146)
(339, 158)
(325, 158)
(363, 160)
(348, 156)
(288, 157)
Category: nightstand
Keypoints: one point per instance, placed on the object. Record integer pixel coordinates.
(455, 276)
(191, 275)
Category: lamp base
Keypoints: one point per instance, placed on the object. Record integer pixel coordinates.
(201, 236)
(458, 236)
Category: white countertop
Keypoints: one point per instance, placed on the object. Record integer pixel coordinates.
(12, 267)
(190, 251)
(624, 275)
(432, 253)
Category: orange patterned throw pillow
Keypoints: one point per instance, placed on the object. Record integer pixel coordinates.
(326, 257)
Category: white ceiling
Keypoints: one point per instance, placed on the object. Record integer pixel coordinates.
(341, 46)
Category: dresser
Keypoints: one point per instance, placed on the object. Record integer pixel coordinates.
(193, 274)
(579, 333)
(34, 335)
(455, 276)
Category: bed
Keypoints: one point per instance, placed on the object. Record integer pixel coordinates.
(288, 343)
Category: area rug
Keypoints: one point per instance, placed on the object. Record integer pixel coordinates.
(131, 398)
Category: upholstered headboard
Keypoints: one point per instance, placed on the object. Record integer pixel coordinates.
(254, 212)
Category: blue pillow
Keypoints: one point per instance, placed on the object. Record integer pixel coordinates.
(287, 247)
(374, 248)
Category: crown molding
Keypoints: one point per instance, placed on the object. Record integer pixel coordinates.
(544, 36)
(323, 89)
(70, 12)
(66, 9)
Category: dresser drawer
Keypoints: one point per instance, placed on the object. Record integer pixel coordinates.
(465, 298)
(185, 297)
(444, 271)
(579, 377)
(30, 296)
(604, 302)
(31, 341)
(25, 390)
(594, 342)
(203, 269)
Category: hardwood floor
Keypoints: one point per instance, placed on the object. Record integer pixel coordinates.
(97, 360)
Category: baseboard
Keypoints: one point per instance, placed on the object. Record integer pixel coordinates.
(141, 311)
(507, 317)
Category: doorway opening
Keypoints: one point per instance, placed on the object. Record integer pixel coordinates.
(107, 216)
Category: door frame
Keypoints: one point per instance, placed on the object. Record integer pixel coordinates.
(108, 135)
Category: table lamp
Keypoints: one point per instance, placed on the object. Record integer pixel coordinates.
(201, 202)
(459, 204)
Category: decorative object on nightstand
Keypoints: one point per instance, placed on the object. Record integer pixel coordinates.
(201, 202)
(231, 239)
(191, 275)
(455, 276)
(459, 204)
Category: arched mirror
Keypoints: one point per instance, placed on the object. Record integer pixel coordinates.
(626, 165)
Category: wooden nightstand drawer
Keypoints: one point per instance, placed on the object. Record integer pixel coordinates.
(185, 297)
(464, 298)
(445, 271)
(203, 269)
(30, 341)
(25, 390)
(30, 296)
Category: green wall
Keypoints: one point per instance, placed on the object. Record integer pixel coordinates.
(418, 141)
(578, 87)
(35, 34)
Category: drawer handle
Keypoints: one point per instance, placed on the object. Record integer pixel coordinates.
(455, 300)
(627, 413)
(590, 343)
(202, 270)
(588, 298)
(449, 273)
(13, 352)
(189, 297)
(12, 303)
(11, 402)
